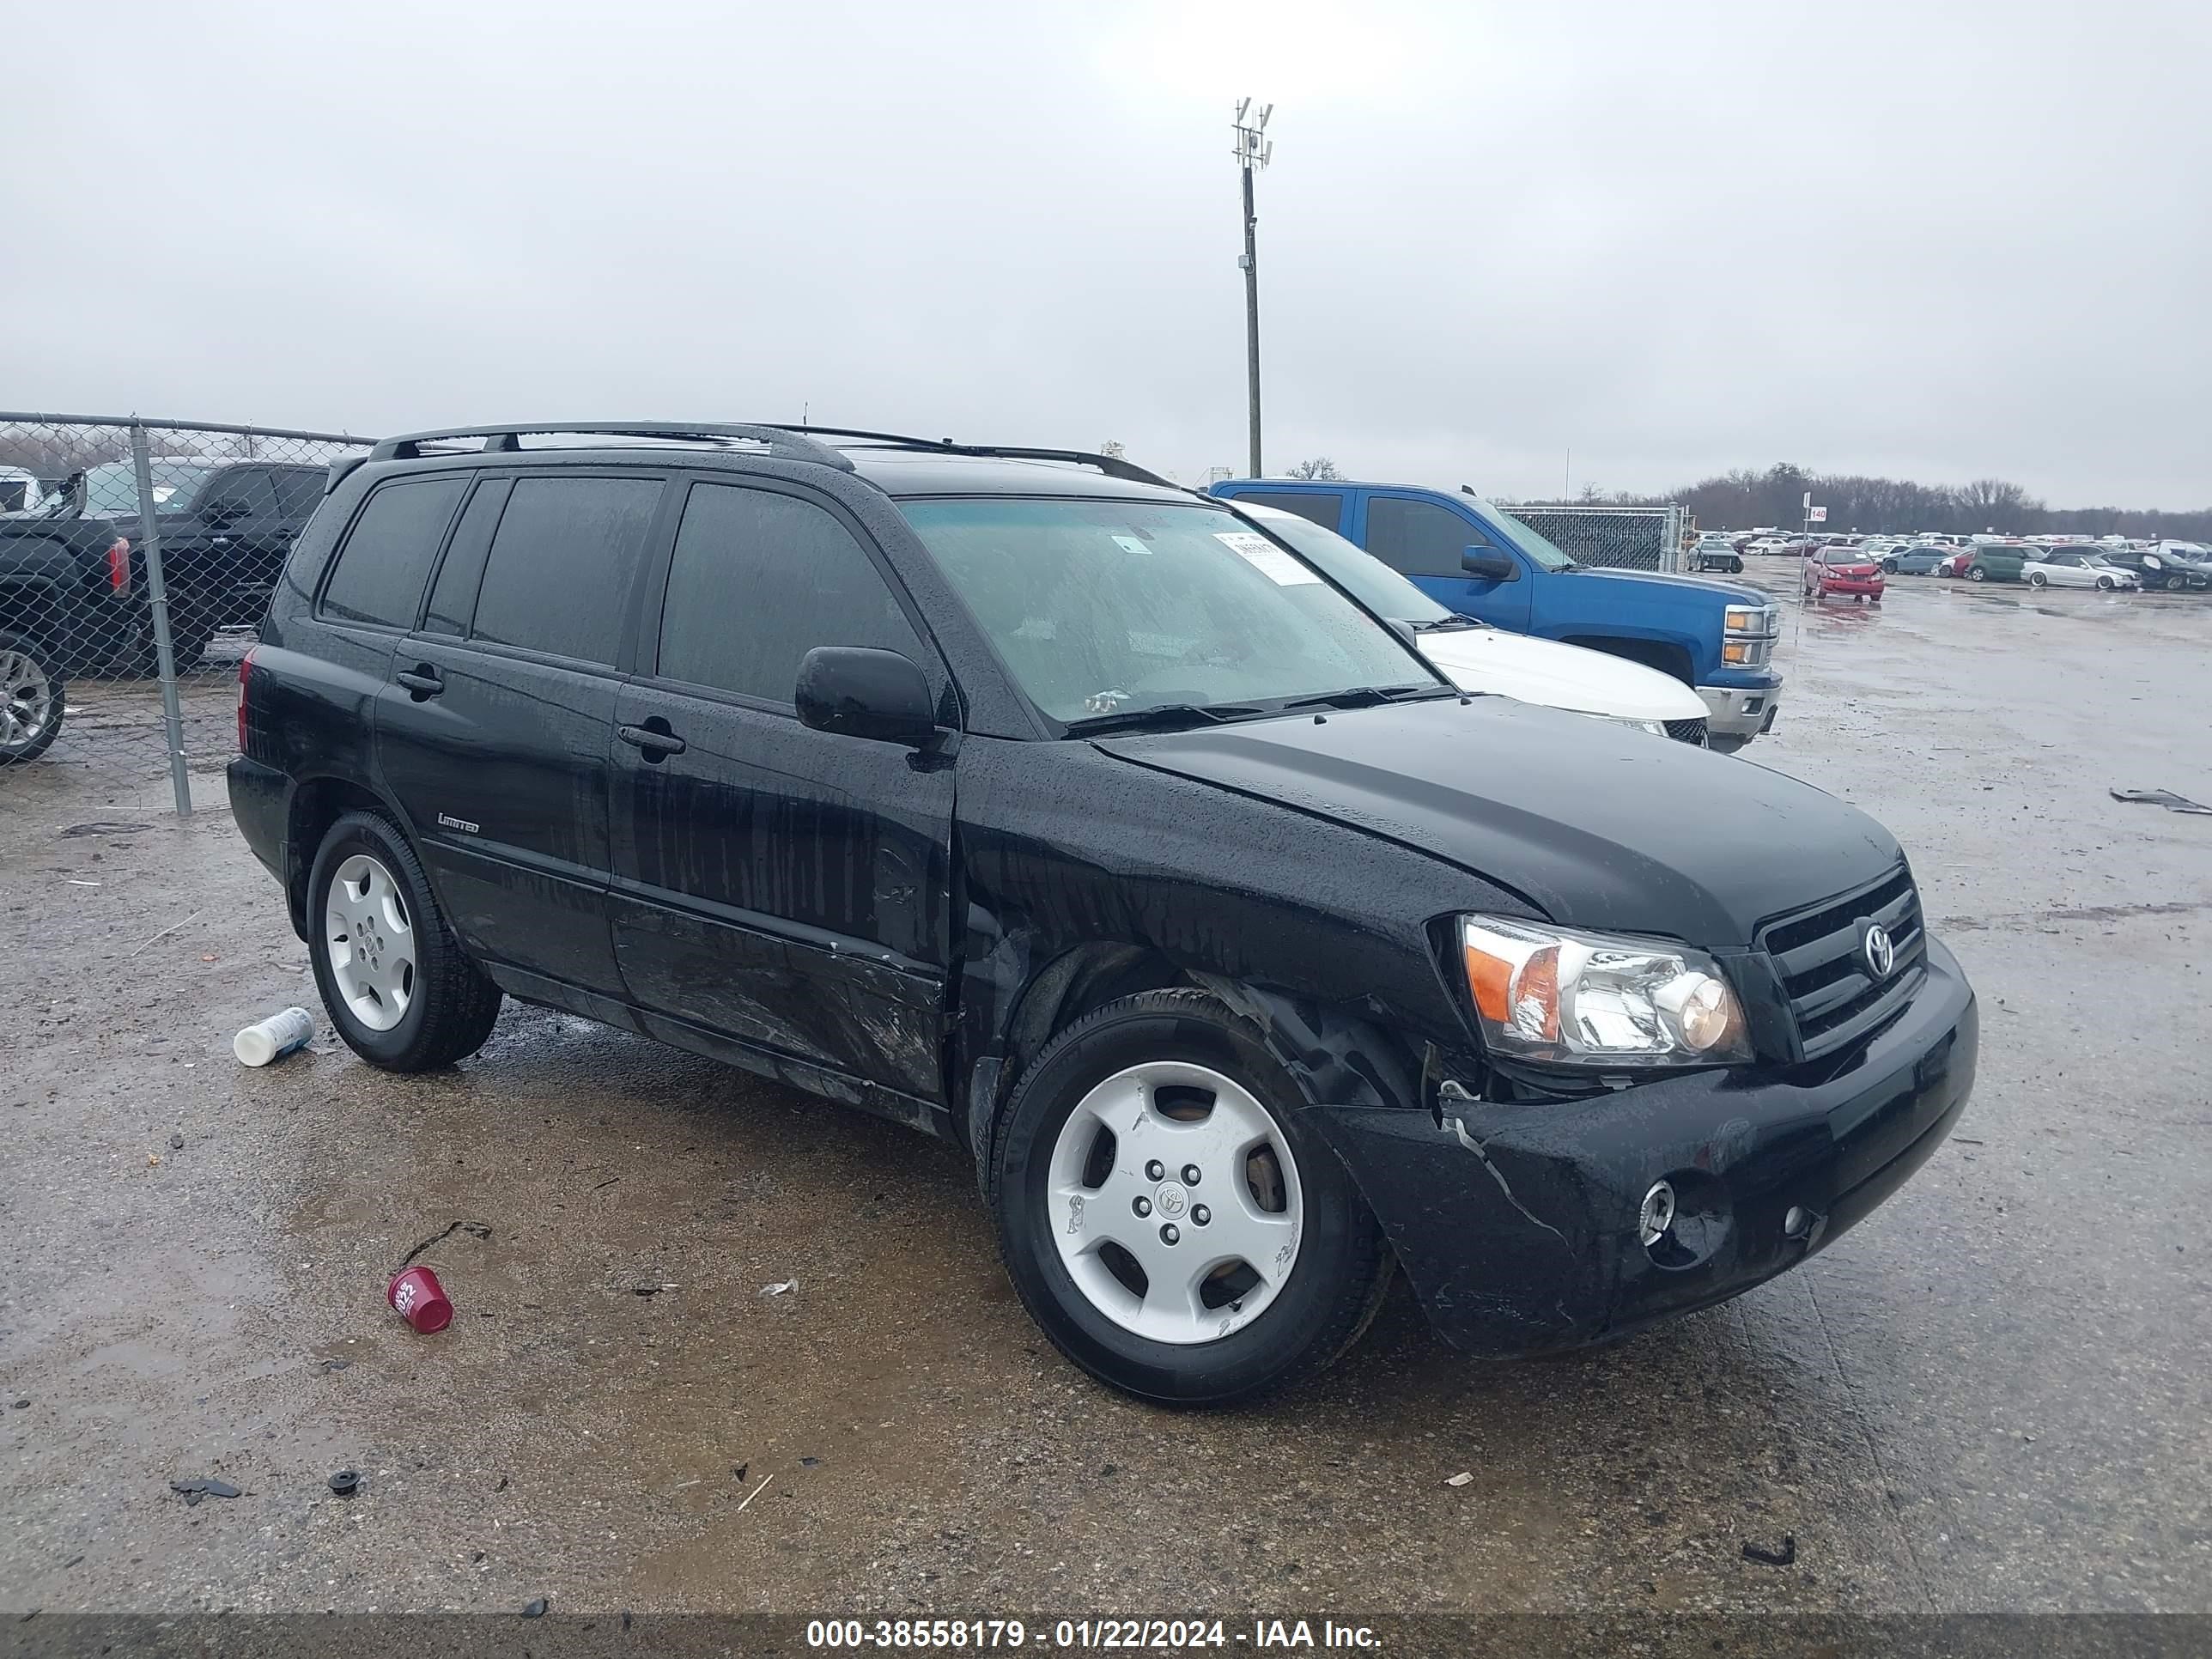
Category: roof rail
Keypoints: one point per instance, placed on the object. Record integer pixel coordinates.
(1112, 466)
(784, 443)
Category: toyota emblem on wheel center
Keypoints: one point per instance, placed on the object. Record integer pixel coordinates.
(1880, 953)
(1171, 1200)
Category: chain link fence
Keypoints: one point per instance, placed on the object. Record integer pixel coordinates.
(1621, 537)
(137, 558)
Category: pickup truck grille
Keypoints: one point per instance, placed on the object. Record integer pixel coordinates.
(1833, 993)
(1688, 731)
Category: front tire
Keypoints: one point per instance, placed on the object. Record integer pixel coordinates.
(1976, 574)
(32, 700)
(2037, 579)
(2106, 584)
(1100, 1223)
(392, 976)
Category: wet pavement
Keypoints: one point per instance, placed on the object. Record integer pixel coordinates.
(1993, 1395)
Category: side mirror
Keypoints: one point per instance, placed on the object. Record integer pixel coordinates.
(865, 693)
(1488, 565)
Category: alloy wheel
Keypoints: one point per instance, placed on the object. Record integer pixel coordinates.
(1175, 1204)
(371, 941)
(27, 700)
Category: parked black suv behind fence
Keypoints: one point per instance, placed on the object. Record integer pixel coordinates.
(1032, 801)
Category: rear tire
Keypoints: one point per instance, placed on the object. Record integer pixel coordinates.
(1976, 574)
(33, 698)
(394, 979)
(1185, 1081)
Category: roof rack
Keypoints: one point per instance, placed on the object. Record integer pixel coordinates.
(785, 443)
(1112, 466)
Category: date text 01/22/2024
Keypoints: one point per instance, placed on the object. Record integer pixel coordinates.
(1139, 1635)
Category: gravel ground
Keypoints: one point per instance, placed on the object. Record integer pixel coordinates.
(1990, 1396)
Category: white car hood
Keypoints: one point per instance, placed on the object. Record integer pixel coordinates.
(1559, 675)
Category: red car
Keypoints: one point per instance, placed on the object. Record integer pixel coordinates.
(1842, 570)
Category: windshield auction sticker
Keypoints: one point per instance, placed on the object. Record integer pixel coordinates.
(1264, 557)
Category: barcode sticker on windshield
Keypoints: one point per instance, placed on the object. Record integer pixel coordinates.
(1264, 557)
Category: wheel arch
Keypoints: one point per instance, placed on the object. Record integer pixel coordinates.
(317, 803)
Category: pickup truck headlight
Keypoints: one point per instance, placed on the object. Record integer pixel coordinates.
(1566, 998)
(1747, 619)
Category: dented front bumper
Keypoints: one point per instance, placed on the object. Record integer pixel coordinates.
(1517, 1224)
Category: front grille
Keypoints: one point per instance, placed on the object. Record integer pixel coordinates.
(1688, 731)
(1833, 994)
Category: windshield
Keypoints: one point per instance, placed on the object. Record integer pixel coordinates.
(111, 490)
(1102, 608)
(1547, 557)
(1363, 576)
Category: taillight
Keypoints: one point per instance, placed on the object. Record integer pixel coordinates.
(118, 565)
(245, 667)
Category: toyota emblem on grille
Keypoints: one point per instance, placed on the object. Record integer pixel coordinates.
(1880, 953)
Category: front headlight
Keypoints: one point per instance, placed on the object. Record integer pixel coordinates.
(1566, 998)
(1656, 728)
(1747, 619)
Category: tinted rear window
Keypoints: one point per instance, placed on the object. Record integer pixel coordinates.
(299, 490)
(561, 564)
(387, 557)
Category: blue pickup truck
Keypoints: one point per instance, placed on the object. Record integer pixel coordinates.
(1716, 637)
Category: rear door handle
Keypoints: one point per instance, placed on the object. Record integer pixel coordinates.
(654, 744)
(423, 680)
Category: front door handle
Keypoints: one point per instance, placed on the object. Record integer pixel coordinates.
(655, 743)
(423, 680)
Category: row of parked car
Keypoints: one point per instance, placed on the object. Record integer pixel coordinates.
(1846, 561)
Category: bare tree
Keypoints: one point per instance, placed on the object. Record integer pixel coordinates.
(1115, 448)
(1319, 466)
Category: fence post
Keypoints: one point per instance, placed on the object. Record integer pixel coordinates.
(157, 600)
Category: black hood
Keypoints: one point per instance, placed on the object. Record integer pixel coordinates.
(1598, 825)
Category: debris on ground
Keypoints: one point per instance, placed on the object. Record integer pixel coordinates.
(103, 827)
(417, 1298)
(346, 1482)
(1782, 1557)
(176, 1143)
(809, 1463)
(193, 1491)
(537, 1609)
(22, 1405)
(649, 1288)
(739, 1472)
(269, 1040)
(755, 1492)
(2164, 798)
(474, 1229)
(1459, 1479)
(780, 1289)
(336, 1364)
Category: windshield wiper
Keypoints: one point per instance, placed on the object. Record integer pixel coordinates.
(1363, 696)
(1452, 624)
(1162, 717)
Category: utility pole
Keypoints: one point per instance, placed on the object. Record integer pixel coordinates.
(1253, 150)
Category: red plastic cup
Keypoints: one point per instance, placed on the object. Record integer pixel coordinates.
(417, 1298)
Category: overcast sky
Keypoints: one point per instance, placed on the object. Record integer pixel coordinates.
(1938, 240)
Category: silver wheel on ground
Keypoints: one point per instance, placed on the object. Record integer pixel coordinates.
(1176, 1201)
(28, 701)
(370, 940)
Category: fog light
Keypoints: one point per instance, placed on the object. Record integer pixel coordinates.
(1795, 1221)
(1656, 1214)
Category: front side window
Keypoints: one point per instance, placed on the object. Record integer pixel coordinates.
(387, 555)
(1101, 607)
(1419, 539)
(299, 490)
(243, 492)
(757, 579)
(560, 563)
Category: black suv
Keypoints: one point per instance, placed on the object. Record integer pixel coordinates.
(1030, 800)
